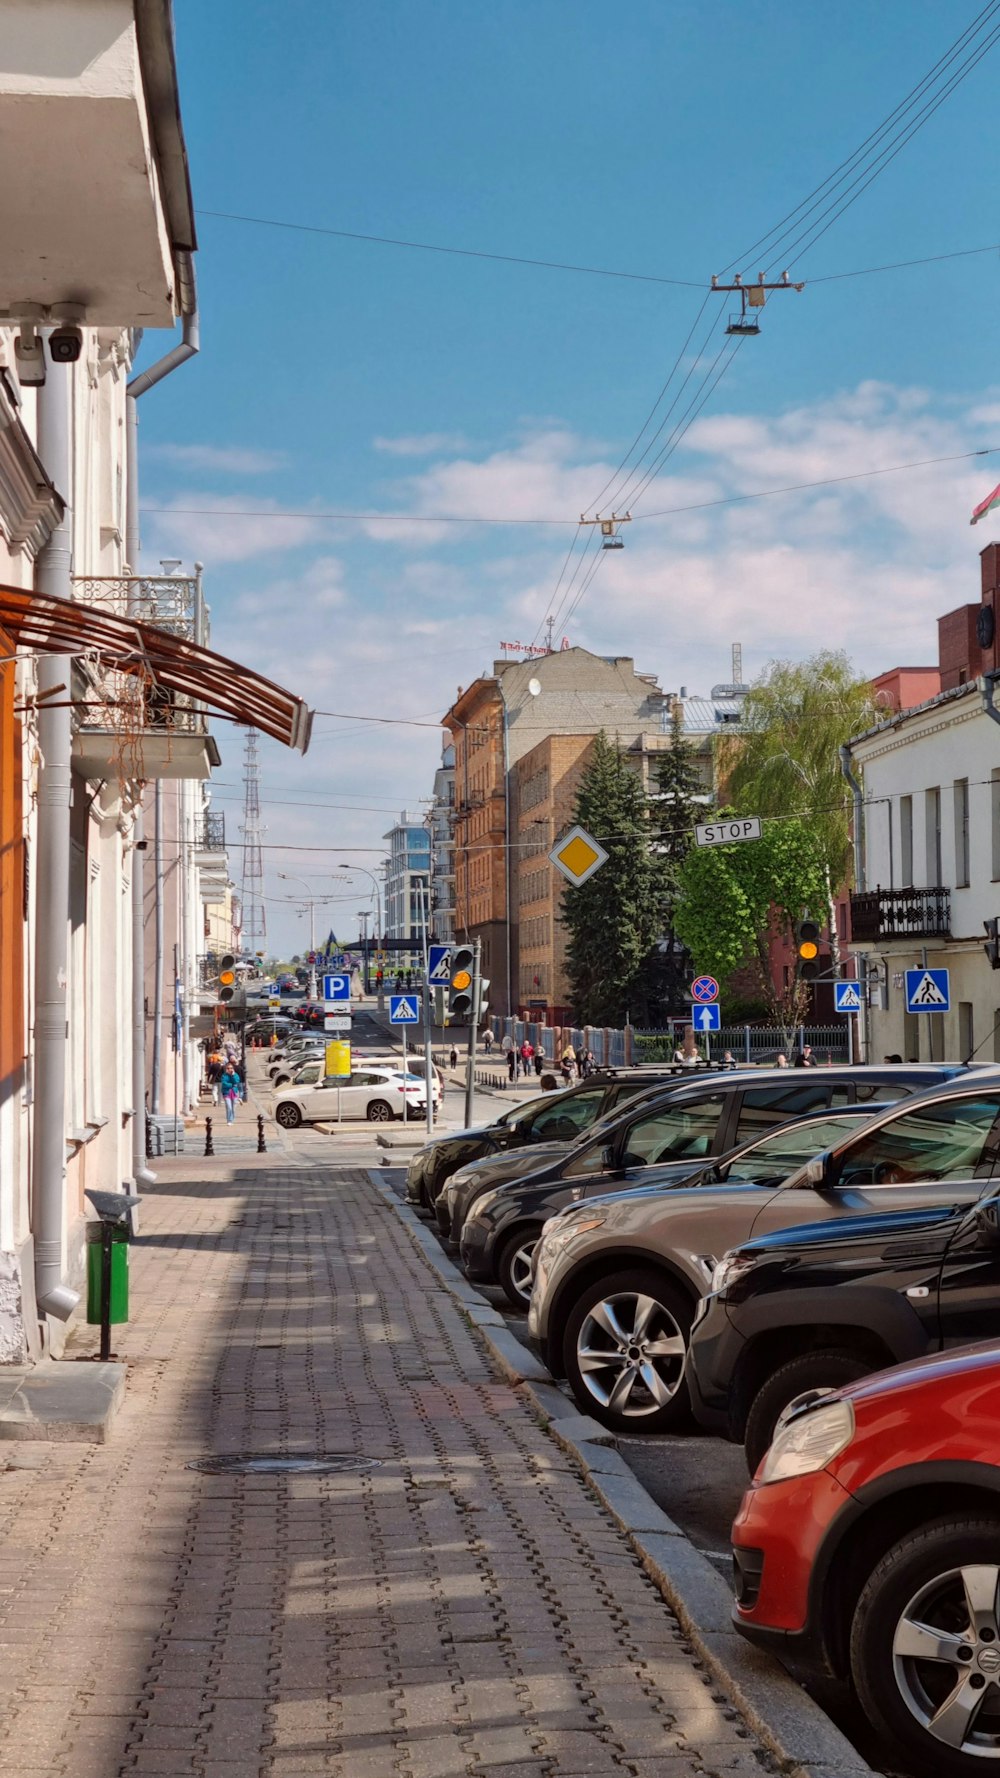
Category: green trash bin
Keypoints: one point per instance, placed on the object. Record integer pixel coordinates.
(119, 1271)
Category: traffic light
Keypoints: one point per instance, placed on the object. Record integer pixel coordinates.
(461, 982)
(807, 950)
(227, 978)
(992, 945)
(484, 1000)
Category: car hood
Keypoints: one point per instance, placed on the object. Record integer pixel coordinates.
(476, 1134)
(871, 1226)
(518, 1163)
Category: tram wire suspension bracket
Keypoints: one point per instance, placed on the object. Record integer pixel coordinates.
(752, 299)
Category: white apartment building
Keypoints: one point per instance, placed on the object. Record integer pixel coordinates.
(931, 780)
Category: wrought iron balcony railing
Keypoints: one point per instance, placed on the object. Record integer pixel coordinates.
(211, 836)
(166, 600)
(880, 914)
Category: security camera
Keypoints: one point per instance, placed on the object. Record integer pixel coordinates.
(29, 357)
(66, 343)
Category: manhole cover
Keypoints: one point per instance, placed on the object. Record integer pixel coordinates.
(274, 1463)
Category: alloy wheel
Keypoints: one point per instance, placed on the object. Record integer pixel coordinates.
(946, 1659)
(630, 1352)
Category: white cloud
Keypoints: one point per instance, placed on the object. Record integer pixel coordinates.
(421, 444)
(219, 528)
(222, 459)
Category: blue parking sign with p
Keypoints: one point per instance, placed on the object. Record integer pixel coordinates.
(337, 987)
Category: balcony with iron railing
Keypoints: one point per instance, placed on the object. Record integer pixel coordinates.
(880, 915)
(211, 831)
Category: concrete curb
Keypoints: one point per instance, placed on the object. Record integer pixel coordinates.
(795, 1729)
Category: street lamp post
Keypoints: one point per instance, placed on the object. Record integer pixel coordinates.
(311, 905)
(365, 872)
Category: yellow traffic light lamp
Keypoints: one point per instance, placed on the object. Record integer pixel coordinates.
(807, 937)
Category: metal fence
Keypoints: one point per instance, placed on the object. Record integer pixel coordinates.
(750, 1045)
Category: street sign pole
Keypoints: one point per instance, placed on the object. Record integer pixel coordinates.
(477, 975)
(425, 903)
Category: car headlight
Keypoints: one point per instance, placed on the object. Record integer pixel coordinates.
(558, 1232)
(808, 1442)
(730, 1267)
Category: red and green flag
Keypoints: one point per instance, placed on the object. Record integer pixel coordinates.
(986, 506)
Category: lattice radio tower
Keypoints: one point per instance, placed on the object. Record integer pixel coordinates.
(254, 929)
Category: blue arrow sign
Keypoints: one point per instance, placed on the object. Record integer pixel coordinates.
(928, 990)
(846, 997)
(403, 1010)
(439, 965)
(707, 1018)
(704, 989)
(337, 987)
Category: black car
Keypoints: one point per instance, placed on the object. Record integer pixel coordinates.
(693, 1119)
(559, 1116)
(817, 1306)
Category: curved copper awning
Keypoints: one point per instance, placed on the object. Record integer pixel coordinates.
(61, 626)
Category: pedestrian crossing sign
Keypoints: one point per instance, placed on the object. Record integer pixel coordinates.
(928, 990)
(439, 965)
(846, 997)
(404, 1009)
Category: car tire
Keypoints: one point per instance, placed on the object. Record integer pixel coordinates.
(288, 1116)
(918, 1583)
(811, 1370)
(379, 1112)
(621, 1299)
(513, 1265)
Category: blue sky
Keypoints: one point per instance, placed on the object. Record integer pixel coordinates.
(337, 375)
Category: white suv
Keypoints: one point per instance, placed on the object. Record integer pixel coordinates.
(377, 1091)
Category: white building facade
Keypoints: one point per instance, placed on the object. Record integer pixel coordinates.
(931, 817)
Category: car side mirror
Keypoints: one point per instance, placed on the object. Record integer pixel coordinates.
(819, 1172)
(988, 1223)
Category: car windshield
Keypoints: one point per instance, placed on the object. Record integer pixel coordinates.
(777, 1155)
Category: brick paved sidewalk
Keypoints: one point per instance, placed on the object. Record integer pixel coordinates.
(465, 1608)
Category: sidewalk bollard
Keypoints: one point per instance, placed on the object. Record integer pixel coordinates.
(261, 1144)
(209, 1146)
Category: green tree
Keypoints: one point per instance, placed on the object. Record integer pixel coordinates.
(734, 899)
(675, 812)
(786, 758)
(614, 921)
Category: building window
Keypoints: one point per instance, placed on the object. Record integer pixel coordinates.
(906, 842)
(932, 807)
(961, 833)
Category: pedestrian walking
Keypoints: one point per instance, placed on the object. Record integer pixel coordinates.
(527, 1051)
(781, 1060)
(805, 1057)
(453, 1057)
(214, 1073)
(487, 1041)
(229, 1086)
(567, 1063)
(728, 1059)
(539, 1059)
(511, 1064)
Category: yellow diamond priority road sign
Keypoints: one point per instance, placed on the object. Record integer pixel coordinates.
(578, 856)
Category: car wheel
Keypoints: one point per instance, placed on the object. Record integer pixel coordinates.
(379, 1112)
(288, 1116)
(811, 1370)
(925, 1647)
(514, 1265)
(624, 1350)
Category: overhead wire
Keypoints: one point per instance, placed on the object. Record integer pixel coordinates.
(766, 241)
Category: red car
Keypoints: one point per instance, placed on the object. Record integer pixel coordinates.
(868, 1546)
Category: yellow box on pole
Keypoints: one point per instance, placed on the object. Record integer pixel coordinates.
(338, 1059)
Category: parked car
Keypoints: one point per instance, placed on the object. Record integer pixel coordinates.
(503, 1227)
(868, 1547)
(563, 1114)
(263, 1029)
(815, 1307)
(618, 1279)
(303, 1068)
(296, 1043)
(713, 1112)
(707, 1120)
(376, 1091)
